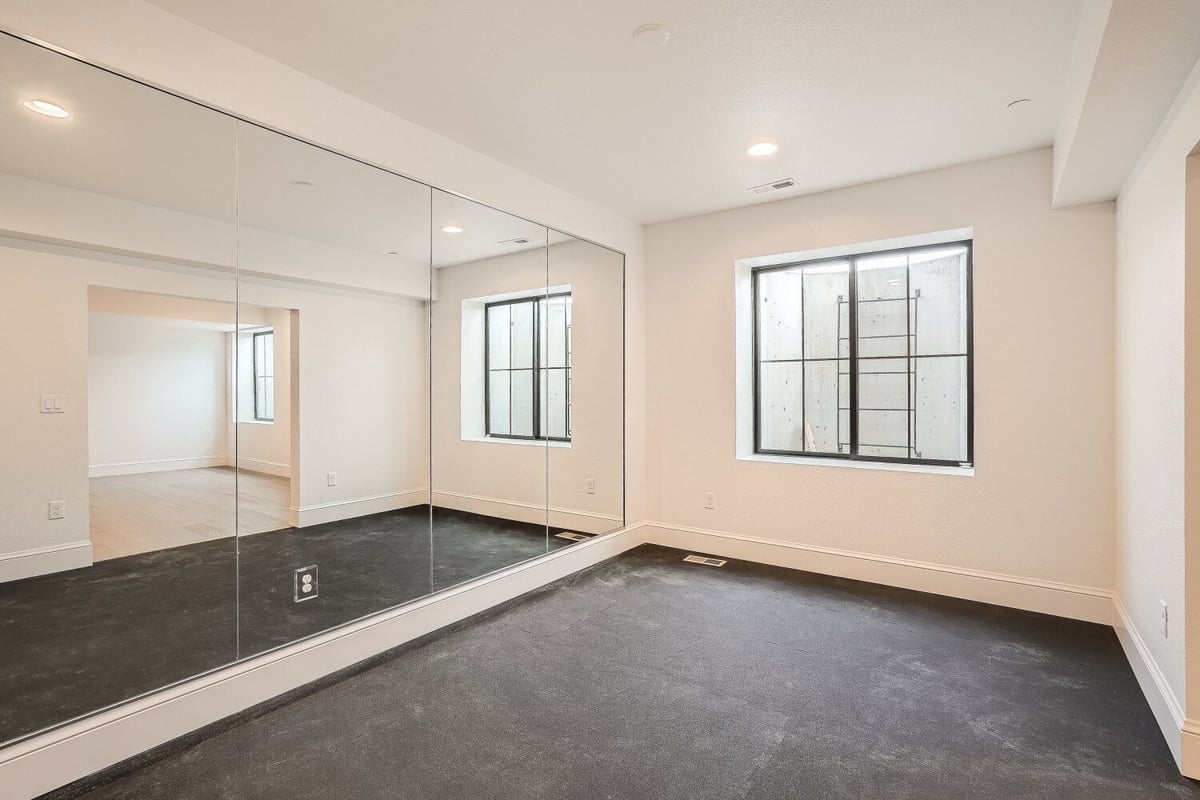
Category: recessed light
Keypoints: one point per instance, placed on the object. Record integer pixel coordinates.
(46, 108)
(762, 149)
(452, 229)
(652, 35)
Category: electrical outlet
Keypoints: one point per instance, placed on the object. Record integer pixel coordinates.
(58, 509)
(709, 500)
(331, 479)
(305, 583)
(591, 486)
(1164, 618)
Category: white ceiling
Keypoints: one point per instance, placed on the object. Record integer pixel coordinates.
(853, 90)
(1131, 59)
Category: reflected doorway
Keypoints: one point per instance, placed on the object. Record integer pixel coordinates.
(189, 421)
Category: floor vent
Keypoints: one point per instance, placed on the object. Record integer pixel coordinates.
(709, 562)
(574, 537)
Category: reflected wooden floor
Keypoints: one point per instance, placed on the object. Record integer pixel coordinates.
(156, 510)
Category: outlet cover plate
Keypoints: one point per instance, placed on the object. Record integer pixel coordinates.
(305, 583)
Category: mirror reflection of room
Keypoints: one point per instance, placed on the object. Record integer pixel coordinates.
(247, 346)
(527, 380)
(489, 432)
(118, 555)
(164, 423)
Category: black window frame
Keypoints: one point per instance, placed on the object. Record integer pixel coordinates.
(853, 359)
(256, 376)
(536, 302)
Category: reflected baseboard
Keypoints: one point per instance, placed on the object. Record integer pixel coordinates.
(304, 516)
(157, 465)
(566, 518)
(264, 467)
(44, 560)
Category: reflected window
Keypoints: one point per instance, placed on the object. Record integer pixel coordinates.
(527, 369)
(866, 356)
(264, 376)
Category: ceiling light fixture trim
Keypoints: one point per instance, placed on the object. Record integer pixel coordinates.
(46, 109)
(652, 34)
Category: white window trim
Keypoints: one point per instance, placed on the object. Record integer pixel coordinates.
(471, 361)
(744, 350)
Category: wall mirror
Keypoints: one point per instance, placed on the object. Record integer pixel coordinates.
(333, 259)
(488, 451)
(256, 390)
(118, 553)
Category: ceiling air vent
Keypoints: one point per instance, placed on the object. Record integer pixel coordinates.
(710, 562)
(519, 240)
(773, 186)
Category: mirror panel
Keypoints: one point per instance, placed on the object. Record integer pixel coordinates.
(117, 256)
(488, 456)
(238, 365)
(332, 392)
(583, 389)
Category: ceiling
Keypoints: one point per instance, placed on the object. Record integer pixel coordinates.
(852, 90)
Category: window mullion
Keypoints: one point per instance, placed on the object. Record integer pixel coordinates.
(536, 400)
(852, 320)
(487, 370)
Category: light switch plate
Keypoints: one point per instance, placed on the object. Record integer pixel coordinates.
(53, 404)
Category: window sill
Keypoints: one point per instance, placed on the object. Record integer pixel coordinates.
(520, 442)
(256, 422)
(883, 466)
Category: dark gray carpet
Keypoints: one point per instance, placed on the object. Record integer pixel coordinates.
(649, 678)
(81, 640)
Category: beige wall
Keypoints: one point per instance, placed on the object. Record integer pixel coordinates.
(1040, 503)
(261, 446)
(1157, 342)
(361, 400)
(157, 394)
(517, 480)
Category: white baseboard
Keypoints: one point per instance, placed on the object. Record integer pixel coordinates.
(265, 467)
(566, 518)
(44, 560)
(158, 465)
(42, 763)
(1029, 594)
(305, 516)
(1168, 711)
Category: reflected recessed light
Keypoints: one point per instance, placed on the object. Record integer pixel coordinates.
(762, 149)
(652, 35)
(452, 229)
(46, 109)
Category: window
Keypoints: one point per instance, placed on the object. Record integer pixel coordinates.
(527, 368)
(264, 376)
(866, 356)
